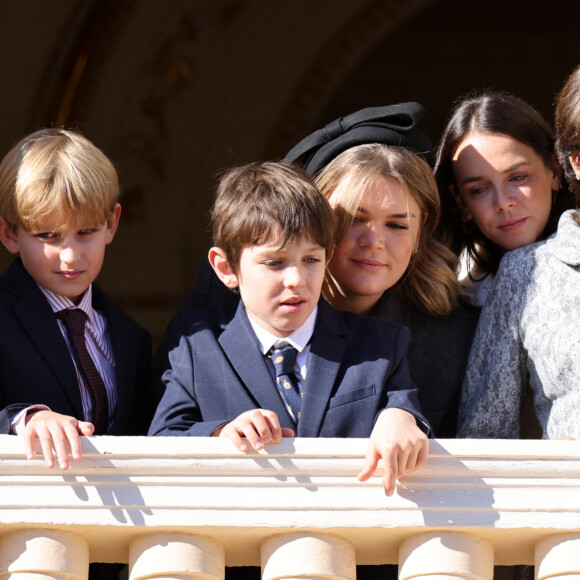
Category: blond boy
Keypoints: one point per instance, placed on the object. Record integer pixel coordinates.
(58, 211)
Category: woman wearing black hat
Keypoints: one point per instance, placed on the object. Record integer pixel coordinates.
(372, 160)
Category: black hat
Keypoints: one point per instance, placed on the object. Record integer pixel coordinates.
(391, 125)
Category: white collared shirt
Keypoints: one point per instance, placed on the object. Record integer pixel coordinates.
(299, 339)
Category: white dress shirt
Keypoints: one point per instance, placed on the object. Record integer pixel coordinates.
(299, 339)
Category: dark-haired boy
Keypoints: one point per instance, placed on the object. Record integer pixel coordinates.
(273, 234)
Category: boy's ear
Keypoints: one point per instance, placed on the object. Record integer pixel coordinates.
(575, 162)
(217, 259)
(113, 223)
(460, 203)
(8, 237)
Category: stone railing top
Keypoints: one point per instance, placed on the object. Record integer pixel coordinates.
(511, 492)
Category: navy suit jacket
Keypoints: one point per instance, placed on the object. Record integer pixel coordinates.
(36, 365)
(357, 367)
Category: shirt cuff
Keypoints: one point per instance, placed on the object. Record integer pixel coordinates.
(18, 423)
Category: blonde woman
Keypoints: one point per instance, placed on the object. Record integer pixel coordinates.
(387, 264)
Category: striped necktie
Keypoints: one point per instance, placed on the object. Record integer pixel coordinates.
(74, 320)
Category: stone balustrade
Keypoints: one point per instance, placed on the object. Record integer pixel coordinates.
(187, 507)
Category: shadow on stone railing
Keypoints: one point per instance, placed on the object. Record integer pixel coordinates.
(187, 507)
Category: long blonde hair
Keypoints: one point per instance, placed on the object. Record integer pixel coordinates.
(429, 281)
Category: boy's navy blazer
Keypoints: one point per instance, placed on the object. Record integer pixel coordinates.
(357, 366)
(36, 365)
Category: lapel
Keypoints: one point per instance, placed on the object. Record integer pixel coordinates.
(240, 345)
(39, 322)
(326, 354)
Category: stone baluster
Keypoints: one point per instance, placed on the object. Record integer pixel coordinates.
(558, 556)
(38, 554)
(175, 555)
(302, 555)
(447, 555)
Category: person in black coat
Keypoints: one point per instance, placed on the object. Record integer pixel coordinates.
(58, 212)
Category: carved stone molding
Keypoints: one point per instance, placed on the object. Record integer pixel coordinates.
(510, 495)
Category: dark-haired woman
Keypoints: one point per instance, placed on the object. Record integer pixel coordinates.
(529, 330)
(499, 182)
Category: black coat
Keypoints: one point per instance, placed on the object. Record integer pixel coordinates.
(437, 356)
(36, 366)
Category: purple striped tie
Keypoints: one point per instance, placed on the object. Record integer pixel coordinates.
(74, 320)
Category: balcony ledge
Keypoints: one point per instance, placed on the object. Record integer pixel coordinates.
(510, 493)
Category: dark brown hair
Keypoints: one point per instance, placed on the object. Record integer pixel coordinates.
(254, 200)
(494, 113)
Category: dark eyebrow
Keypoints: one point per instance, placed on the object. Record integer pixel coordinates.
(516, 166)
(476, 178)
(473, 179)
